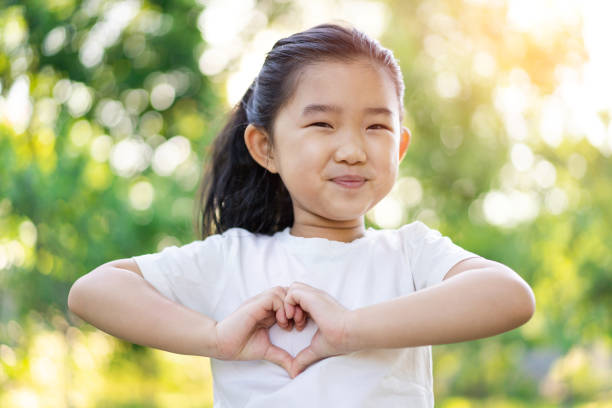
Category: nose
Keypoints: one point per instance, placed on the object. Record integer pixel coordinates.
(350, 150)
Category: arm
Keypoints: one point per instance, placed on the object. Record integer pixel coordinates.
(120, 302)
(478, 298)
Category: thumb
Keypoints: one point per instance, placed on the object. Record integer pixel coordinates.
(279, 357)
(305, 358)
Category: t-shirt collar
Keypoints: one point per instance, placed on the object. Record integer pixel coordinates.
(318, 245)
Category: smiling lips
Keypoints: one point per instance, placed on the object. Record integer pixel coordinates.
(349, 181)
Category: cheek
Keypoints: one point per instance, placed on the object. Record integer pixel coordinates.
(298, 172)
(300, 157)
(387, 165)
(386, 153)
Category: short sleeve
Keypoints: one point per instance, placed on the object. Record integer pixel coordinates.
(192, 275)
(430, 254)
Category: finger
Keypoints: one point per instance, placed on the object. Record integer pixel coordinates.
(278, 290)
(279, 357)
(303, 360)
(279, 307)
(289, 309)
(267, 322)
(271, 309)
(299, 315)
(294, 299)
(299, 318)
(281, 319)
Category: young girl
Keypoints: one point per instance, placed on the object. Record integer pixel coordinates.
(292, 298)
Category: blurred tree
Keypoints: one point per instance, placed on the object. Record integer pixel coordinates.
(115, 90)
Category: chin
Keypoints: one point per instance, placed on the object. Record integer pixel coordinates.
(344, 215)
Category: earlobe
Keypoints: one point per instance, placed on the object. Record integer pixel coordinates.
(259, 146)
(405, 136)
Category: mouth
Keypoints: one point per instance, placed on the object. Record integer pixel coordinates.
(349, 181)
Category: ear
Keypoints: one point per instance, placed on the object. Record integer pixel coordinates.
(405, 136)
(259, 145)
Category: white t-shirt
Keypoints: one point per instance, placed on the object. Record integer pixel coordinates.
(216, 275)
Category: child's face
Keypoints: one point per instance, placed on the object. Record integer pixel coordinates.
(342, 121)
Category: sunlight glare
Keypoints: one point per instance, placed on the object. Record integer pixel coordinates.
(130, 156)
(545, 174)
(23, 398)
(552, 121)
(409, 191)
(388, 213)
(507, 209)
(141, 195)
(170, 154)
(17, 107)
(54, 41)
(212, 22)
(107, 31)
(448, 85)
(556, 201)
(100, 148)
(80, 100)
(521, 156)
(28, 233)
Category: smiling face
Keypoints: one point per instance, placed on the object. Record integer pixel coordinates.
(337, 144)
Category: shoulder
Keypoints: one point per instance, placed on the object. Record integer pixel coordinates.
(206, 250)
(418, 231)
(403, 237)
(418, 236)
(413, 233)
(415, 228)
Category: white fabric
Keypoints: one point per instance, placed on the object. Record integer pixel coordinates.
(216, 275)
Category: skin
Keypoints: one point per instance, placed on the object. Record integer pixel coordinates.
(309, 150)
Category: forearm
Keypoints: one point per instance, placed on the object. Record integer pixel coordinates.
(474, 304)
(123, 304)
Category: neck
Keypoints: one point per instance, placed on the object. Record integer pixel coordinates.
(345, 232)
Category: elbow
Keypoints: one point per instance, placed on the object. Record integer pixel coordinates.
(75, 296)
(521, 300)
(524, 304)
(531, 302)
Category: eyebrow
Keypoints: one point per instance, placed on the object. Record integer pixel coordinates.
(314, 108)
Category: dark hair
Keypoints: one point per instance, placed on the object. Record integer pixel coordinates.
(236, 191)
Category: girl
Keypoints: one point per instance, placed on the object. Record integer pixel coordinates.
(292, 298)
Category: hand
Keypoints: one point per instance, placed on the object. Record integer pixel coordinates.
(330, 317)
(243, 335)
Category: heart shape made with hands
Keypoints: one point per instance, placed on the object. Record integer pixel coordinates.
(296, 335)
(319, 320)
(263, 324)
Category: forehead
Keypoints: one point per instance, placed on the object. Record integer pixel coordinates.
(352, 86)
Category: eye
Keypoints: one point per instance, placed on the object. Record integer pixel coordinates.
(379, 126)
(320, 124)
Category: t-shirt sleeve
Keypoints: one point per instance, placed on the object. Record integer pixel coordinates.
(430, 254)
(192, 274)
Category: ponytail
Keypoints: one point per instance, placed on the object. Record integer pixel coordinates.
(236, 191)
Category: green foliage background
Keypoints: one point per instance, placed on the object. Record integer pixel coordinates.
(65, 208)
